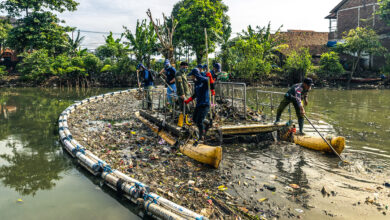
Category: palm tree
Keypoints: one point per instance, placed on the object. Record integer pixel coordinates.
(143, 42)
(75, 44)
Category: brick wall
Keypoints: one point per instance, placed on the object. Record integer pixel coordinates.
(355, 3)
(349, 19)
(308, 39)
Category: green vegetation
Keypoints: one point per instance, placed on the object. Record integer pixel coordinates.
(5, 27)
(384, 10)
(298, 64)
(143, 43)
(52, 52)
(196, 15)
(359, 42)
(330, 65)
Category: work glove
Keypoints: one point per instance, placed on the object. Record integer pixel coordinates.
(213, 92)
(188, 100)
(211, 77)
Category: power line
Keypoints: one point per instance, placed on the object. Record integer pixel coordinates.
(98, 32)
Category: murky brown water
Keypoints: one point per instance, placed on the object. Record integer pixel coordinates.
(34, 168)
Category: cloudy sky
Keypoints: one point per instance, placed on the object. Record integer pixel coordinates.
(111, 15)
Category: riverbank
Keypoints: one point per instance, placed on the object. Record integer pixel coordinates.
(54, 82)
(273, 180)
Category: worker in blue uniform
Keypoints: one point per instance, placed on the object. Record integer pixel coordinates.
(202, 100)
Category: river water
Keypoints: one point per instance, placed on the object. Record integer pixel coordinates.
(40, 181)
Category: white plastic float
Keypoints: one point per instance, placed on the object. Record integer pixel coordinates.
(134, 190)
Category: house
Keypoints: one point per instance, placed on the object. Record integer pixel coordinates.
(350, 14)
(296, 39)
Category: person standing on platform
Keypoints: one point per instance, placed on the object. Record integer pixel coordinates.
(202, 101)
(170, 73)
(295, 95)
(148, 82)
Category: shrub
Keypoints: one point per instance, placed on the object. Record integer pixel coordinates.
(92, 64)
(3, 71)
(248, 59)
(35, 66)
(298, 64)
(330, 65)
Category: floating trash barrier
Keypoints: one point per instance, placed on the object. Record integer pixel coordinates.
(134, 190)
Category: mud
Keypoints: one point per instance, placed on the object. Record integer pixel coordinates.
(255, 181)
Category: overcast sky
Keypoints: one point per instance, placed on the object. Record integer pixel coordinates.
(111, 15)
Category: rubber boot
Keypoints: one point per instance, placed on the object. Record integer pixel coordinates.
(277, 121)
(300, 122)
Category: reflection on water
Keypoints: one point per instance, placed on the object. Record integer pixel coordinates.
(362, 116)
(33, 165)
(28, 123)
(29, 171)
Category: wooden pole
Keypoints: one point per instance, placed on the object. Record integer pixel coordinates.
(207, 62)
(207, 49)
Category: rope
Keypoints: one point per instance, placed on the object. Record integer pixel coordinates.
(119, 185)
(107, 169)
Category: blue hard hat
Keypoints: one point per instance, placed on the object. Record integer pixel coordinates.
(194, 72)
(167, 63)
(205, 66)
(217, 66)
(140, 65)
(199, 66)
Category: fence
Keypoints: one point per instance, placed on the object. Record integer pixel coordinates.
(236, 94)
(233, 92)
(266, 102)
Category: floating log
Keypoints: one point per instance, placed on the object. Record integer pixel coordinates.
(248, 129)
(202, 153)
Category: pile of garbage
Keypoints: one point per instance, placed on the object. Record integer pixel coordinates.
(110, 130)
(254, 181)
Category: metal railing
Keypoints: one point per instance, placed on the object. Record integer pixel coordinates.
(264, 102)
(269, 101)
(159, 102)
(235, 93)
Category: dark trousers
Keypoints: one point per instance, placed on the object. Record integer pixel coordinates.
(182, 105)
(283, 104)
(199, 116)
(148, 94)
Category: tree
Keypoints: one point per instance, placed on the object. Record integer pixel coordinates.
(196, 15)
(272, 42)
(165, 34)
(384, 10)
(247, 59)
(225, 40)
(5, 27)
(330, 64)
(298, 64)
(113, 49)
(358, 42)
(35, 66)
(39, 31)
(15, 8)
(75, 43)
(39, 27)
(143, 42)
